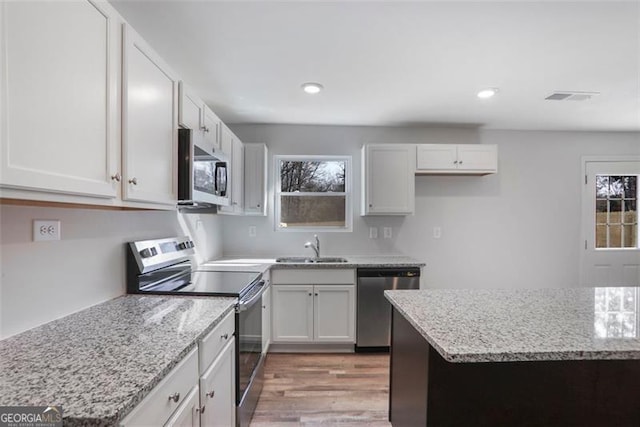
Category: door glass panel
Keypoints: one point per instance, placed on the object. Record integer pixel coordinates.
(616, 203)
(601, 236)
(615, 236)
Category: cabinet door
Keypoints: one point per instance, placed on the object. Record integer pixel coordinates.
(212, 129)
(226, 140)
(236, 181)
(217, 390)
(59, 70)
(292, 313)
(389, 187)
(255, 179)
(478, 157)
(188, 413)
(266, 320)
(436, 157)
(189, 108)
(334, 313)
(149, 123)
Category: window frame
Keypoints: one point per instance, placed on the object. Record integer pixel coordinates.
(348, 193)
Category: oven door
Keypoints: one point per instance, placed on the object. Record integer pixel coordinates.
(249, 339)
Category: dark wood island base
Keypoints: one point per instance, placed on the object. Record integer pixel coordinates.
(426, 390)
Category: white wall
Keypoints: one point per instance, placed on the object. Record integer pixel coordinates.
(519, 228)
(42, 281)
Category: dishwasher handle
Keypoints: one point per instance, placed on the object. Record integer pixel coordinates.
(389, 272)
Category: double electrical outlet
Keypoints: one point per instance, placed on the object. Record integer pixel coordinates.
(44, 230)
(387, 232)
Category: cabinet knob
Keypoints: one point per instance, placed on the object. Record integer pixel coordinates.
(225, 336)
(133, 181)
(175, 397)
(316, 294)
(264, 306)
(116, 177)
(455, 162)
(460, 162)
(206, 129)
(370, 205)
(210, 394)
(200, 409)
(258, 205)
(310, 294)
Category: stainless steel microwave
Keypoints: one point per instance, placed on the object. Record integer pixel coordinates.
(202, 173)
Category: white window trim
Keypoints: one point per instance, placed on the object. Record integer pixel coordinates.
(347, 193)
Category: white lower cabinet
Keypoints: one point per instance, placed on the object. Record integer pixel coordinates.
(321, 312)
(165, 398)
(217, 390)
(188, 413)
(292, 313)
(200, 390)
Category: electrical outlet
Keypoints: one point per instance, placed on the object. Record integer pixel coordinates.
(437, 232)
(252, 231)
(387, 231)
(46, 230)
(373, 232)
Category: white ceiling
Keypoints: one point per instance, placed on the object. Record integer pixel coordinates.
(403, 63)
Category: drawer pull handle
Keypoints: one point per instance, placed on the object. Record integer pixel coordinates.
(210, 394)
(175, 397)
(225, 336)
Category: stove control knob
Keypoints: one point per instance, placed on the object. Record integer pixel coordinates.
(146, 253)
(190, 243)
(182, 246)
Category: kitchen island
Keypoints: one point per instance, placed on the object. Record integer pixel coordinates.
(552, 357)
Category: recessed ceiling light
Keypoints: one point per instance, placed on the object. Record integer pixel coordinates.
(312, 88)
(487, 93)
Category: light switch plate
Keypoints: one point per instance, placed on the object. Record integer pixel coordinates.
(252, 231)
(387, 232)
(437, 232)
(44, 230)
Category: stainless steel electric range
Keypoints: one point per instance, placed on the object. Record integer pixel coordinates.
(166, 266)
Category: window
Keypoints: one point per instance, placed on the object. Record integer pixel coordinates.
(616, 213)
(313, 193)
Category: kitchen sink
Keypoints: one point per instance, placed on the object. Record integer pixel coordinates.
(309, 260)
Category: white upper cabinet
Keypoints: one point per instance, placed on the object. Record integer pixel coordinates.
(190, 108)
(255, 179)
(60, 97)
(388, 179)
(231, 144)
(150, 124)
(212, 128)
(468, 159)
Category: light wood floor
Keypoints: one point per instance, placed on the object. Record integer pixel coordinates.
(324, 389)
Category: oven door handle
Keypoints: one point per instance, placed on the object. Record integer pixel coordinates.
(244, 305)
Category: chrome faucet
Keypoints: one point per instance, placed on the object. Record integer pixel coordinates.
(315, 247)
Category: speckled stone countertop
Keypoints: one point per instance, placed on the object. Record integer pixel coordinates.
(520, 325)
(262, 264)
(100, 362)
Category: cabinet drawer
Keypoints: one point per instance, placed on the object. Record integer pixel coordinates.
(156, 408)
(313, 276)
(215, 340)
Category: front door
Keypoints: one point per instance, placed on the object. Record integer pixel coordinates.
(611, 255)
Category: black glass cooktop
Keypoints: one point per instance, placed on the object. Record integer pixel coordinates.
(218, 283)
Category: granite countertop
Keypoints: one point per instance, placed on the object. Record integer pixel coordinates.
(100, 362)
(262, 264)
(466, 325)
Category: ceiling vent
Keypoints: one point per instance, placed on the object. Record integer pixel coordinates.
(571, 96)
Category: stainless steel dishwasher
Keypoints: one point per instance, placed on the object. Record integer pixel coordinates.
(373, 314)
